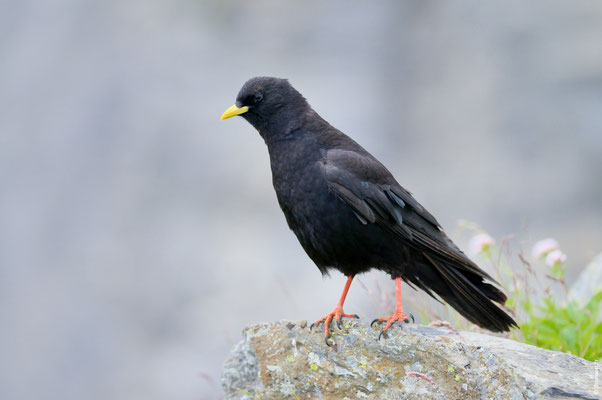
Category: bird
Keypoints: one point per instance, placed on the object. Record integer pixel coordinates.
(350, 214)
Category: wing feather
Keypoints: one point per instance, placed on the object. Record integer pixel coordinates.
(365, 185)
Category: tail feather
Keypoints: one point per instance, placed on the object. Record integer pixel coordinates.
(471, 296)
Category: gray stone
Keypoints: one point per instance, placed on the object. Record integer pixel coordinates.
(589, 281)
(284, 360)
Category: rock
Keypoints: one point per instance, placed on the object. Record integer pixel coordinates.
(284, 360)
(589, 281)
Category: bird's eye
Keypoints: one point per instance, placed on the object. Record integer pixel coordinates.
(258, 97)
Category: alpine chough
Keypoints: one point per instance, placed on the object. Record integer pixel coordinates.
(350, 214)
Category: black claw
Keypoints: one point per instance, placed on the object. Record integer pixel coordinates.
(338, 324)
(327, 341)
(356, 316)
(373, 322)
(383, 332)
(407, 320)
(311, 327)
(411, 316)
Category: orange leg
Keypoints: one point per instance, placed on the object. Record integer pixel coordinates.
(337, 313)
(398, 315)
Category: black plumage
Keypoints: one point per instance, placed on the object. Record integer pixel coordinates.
(350, 214)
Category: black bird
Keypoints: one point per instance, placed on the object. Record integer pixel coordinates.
(350, 214)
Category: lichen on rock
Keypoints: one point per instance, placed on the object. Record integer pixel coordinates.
(285, 360)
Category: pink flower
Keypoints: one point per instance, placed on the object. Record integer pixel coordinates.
(555, 257)
(480, 243)
(543, 247)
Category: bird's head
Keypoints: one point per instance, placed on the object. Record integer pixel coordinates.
(267, 103)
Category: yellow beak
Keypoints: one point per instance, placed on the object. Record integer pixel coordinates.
(234, 111)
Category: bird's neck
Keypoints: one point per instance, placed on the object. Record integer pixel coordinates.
(289, 125)
(282, 126)
(296, 143)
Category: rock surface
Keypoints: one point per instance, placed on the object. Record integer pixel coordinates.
(284, 360)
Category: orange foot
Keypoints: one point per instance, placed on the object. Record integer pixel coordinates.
(335, 315)
(398, 316)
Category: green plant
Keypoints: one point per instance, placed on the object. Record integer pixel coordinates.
(572, 328)
(539, 299)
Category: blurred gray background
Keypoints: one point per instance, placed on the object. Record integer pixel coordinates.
(139, 234)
